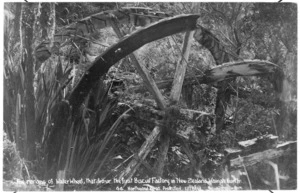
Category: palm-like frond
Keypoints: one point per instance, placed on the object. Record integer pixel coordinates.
(91, 142)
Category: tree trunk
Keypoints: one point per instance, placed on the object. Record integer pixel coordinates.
(45, 31)
(28, 21)
(11, 37)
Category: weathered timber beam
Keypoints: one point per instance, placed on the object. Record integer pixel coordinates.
(262, 142)
(181, 67)
(239, 68)
(252, 159)
(251, 146)
(123, 48)
(162, 155)
(152, 87)
(175, 96)
(145, 149)
(223, 72)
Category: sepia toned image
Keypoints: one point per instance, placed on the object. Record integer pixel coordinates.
(144, 96)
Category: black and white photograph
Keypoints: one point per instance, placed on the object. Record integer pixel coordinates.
(149, 96)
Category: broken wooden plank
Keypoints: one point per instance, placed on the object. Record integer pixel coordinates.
(286, 144)
(252, 159)
(240, 68)
(142, 154)
(162, 155)
(258, 144)
(231, 153)
(175, 96)
(152, 87)
(251, 146)
(181, 67)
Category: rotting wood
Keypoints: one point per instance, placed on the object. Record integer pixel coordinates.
(162, 155)
(259, 143)
(243, 68)
(231, 153)
(123, 48)
(181, 67)
(152, 87)
(175, 96)
(127, 45)
(252, 146)
(142, 154)
(145, 164)
(249, 160)
(178, 83)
